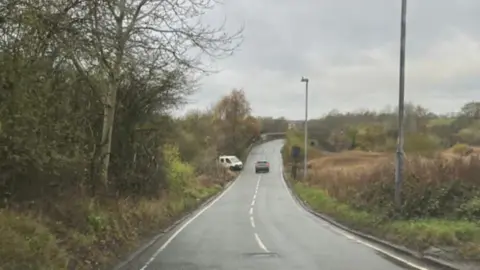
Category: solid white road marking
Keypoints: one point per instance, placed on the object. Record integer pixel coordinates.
(252, 222)
(413, 265)
(260, 243)
(350, 236)
(184, 225)
(288, 191)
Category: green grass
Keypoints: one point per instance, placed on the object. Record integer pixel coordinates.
(416, 234)
(28, 244)
(91, 235)
(440, 122)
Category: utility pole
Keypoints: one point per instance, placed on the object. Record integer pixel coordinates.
(305, 80)
(401, 110)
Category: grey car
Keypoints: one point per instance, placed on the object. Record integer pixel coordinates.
(262, 166)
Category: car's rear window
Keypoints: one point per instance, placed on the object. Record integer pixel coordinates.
(262, 162)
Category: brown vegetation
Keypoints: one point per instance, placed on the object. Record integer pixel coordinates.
(91, 158)
(434, 187)
(346, 160)
(441, 196)
(84, 230)
(354, 183)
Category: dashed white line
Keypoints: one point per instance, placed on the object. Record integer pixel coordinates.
(260, 243)
(256, 191)
(252, 220)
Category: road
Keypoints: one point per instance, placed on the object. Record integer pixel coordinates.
(256, 224)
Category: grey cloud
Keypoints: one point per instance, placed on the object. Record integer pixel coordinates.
(349, 49)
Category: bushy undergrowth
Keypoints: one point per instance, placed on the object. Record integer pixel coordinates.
(438, 186)
(441, 196)
(419, 234)
(294, 138)
(432, 188)
(87, 233)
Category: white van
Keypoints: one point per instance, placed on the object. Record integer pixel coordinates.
(231, 162)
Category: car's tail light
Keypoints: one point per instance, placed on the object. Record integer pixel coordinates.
(268, 164)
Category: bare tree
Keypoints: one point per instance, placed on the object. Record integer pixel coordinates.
(153, 36)
(231, 116)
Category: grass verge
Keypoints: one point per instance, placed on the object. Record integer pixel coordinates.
(462, 236)
(84, 233)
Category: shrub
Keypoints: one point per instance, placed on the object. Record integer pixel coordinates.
(178, 173)
(460, 149)
(296, 138)
(433, 187)
(470, 209)
(424, 144)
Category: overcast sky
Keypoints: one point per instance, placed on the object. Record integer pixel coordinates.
(349, 49)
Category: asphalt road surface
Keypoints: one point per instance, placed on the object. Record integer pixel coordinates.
(256, 224)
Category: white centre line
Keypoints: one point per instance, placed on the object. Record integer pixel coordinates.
(252, 221)
(260, 243)
(256, 191)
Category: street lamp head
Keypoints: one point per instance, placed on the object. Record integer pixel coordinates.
(304, 79)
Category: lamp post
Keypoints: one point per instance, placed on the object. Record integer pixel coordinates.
(305, 80)
(401, 109)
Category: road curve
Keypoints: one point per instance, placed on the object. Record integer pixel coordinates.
(256, 224)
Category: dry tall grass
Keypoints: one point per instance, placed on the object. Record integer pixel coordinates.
(438, 187)
(75, 232)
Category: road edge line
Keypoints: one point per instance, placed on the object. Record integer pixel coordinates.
(417, 255)
(142, 249)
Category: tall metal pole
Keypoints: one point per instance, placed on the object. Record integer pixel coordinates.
(305, 172)
(401, 110)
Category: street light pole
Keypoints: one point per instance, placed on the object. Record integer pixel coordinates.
(305, 80)
(401, 110)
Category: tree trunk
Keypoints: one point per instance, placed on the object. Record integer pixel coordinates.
(111, 99)
(107, 130)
